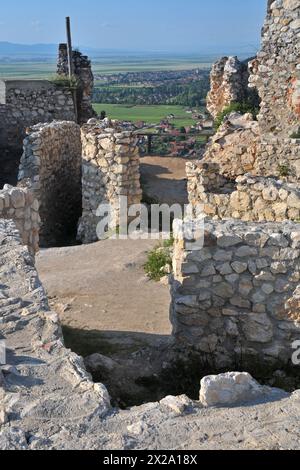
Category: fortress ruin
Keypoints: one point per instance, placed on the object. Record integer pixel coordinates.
(237, 297)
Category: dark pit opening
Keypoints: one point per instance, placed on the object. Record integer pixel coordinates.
(139, 376)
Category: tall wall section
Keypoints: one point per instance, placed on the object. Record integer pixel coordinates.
(110, 170)
(239, 295)
(82, 70)
(229, 83)
(276, 70)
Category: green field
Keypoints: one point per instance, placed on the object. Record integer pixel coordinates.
(149, 114)
(104, 66)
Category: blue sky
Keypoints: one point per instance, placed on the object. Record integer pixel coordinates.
(154, 25)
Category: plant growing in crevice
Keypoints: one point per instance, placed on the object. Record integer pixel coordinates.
(284, 170)
(159, 262)
(295, 135)
(64, 81)
(243, 108)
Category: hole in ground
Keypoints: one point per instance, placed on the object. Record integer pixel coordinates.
(142, 369)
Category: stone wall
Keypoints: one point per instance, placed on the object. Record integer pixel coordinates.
(249, 198)
(51, 166)
(229, 84)
(110, 170)
(24, 103)
(238, 296)
(275, 71)
(21, 206)
(82, 70)
(37, 101)
(11, 138)
(239, 147)
(234, 146)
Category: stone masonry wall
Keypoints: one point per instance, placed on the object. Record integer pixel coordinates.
(238, 148)
(229, 84)
(37, 101)
(248, 198)
(82, 70)
(11, 138)
(24, 103)
(21, 206)
(51, 166)
(110, 170)
(239, 295)
(275, 71)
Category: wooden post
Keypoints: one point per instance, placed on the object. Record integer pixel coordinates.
(69, 43)
(149, 144)
(70, 63)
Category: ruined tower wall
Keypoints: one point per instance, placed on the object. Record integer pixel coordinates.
(110, 170)
(51, 166)
(229, 83)
(276, 73)
(82, 70)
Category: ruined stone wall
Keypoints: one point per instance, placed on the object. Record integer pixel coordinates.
(275, 71)
(238, 296)
(11, 138)
(21, 206)
(110, 170)
(234, 146)
(249, 198)
(82, 70)
(239, 147)
(24, 103)
(229, 84)
(51, 166)
(37, 101)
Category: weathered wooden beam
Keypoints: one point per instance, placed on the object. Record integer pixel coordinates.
(69, 43)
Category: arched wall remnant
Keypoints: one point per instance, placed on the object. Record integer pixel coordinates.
(110, 170)
(51, 165)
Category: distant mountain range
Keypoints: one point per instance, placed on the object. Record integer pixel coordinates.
(48, 52)
(13, 51)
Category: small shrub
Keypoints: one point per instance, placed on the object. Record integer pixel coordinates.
(295, 135)
(159, 263)
(65, 82)
(169, 243)
(243, 108)
(284, 170)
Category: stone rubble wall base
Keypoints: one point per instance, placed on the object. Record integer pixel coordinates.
(249, 198)
(110, 170)
(238, 147)
(51, 167)
(21, 206)
(239, 295)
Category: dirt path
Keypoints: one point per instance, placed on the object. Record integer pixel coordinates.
(164, 179)
(105, 301)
